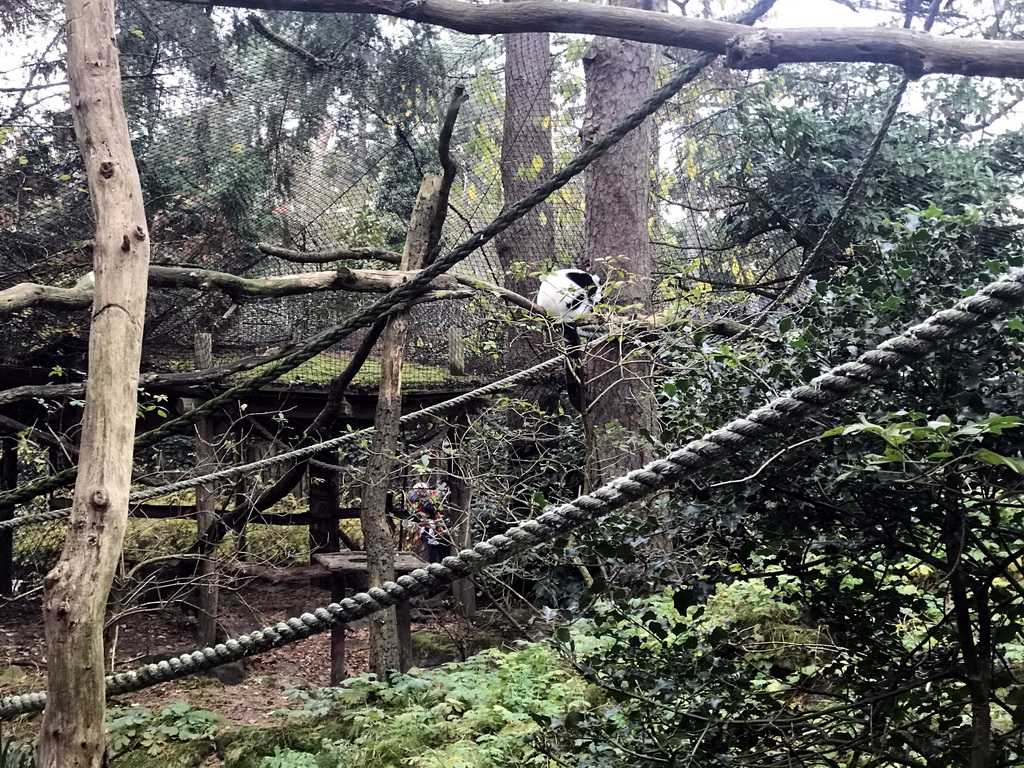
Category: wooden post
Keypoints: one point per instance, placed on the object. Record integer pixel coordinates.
(456, 351)
(459, 495)
(324, 494)
(8, 480)
(338, 671)
(403, 618)
(240, 490)
(207, 591)
(377, 538)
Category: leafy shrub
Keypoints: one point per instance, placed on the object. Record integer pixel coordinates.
(476, 714)
(289, 758)
(139, 729)
(15, 754)
(826, 598)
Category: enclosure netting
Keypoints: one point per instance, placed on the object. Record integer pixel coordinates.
(310, 133)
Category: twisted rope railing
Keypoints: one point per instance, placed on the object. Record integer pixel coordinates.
(298, 453)
(999, 297)
(396, 300)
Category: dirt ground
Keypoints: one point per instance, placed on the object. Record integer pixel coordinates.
(146, 637)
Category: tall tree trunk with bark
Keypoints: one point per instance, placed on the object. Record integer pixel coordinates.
(619, 76)
(72, 734)
(8, 481)
(527, 159)
(377, 539)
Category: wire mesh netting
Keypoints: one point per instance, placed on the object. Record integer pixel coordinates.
(311, 133)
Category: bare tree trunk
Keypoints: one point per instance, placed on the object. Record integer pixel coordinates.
(527, 159)
(974, 634)
(619, 75)
(380, 550)
(206, 510)
(459, 497)
(72, 734)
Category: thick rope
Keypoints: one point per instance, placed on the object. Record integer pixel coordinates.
(299, 453)
(396, 300)
(842, 381)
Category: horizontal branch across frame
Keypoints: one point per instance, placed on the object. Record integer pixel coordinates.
(80, 296)
(916, 53)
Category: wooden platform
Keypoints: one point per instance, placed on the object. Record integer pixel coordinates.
(347, 561)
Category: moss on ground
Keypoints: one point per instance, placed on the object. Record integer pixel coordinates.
(246, 746)
(325, 366)
(190, 754)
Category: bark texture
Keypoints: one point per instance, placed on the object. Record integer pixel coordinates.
(619, 76)
(8, 481)
(207, 590)
(527, 159)
(377, 538)
(76, 590)
(744, 48)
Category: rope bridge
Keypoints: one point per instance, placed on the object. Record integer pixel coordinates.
(1000, 297)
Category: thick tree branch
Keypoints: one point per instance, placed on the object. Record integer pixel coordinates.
(444, 149)
(80, 296)
(195, 378)
(280, 42)
(744, 48)
(511, 297)
(28, 294)
(338, 254)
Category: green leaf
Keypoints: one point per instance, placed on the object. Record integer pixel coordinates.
(985, 456)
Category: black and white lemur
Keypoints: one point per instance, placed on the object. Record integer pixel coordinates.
(566, 294)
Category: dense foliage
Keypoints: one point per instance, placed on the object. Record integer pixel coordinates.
(476, 714)
(872, 567)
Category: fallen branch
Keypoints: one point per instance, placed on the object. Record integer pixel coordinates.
(25, 295)
(322, 257)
